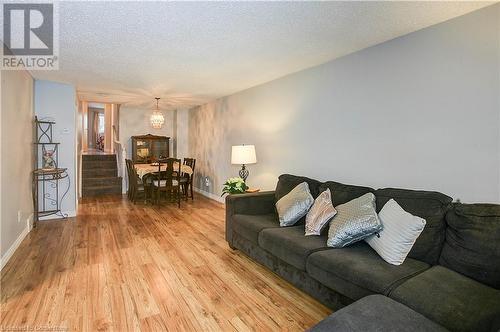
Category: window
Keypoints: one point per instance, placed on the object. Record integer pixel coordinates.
(101, 123)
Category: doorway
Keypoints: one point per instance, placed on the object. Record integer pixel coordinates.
(99, 127)
(96, 127)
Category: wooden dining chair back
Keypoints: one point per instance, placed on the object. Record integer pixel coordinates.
(130, 177)
(168, 181)
(136, 187)
(191, 162)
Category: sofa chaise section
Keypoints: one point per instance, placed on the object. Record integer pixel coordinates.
(451, 300)
(377, 313)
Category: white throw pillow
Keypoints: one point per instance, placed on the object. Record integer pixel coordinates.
(320, 213)
(400, 231)
(294, 205)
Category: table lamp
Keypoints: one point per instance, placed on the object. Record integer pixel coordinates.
(243, 155)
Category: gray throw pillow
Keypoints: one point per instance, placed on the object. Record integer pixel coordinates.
(355, 220)
(294, 205)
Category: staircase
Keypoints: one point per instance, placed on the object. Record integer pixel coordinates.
(100, 175)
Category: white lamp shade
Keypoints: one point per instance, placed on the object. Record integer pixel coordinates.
(243, 154)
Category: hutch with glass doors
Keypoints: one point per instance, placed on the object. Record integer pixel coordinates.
(149, 148)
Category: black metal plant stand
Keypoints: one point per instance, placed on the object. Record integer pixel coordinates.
(46, 173)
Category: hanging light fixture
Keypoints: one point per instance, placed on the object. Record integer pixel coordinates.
(157, 119)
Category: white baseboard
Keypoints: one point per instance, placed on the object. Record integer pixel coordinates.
(210, 195)
(8, 254)
(58, 216)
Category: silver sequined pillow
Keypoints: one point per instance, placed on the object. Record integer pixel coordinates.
(355, 220)
(294, 205)
(320, 213)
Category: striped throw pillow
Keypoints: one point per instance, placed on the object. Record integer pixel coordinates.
(400, 231)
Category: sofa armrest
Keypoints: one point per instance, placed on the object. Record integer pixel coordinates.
(251, 203)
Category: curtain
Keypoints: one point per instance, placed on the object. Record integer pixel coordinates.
(96, 127)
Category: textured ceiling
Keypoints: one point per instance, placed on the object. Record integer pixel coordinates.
(188, 53)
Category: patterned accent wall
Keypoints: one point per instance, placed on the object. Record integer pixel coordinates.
(209, 130)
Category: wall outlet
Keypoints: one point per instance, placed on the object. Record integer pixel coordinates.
(19, 216)
(207, 181)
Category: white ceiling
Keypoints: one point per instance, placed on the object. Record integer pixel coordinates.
(188, 53)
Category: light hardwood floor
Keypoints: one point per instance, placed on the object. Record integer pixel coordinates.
(125, 267)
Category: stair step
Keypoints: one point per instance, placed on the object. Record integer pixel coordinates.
(99, 157)
(99, 173)
(101, 182)
(97, 164)
(102, 190)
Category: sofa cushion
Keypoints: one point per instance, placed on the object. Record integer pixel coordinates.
(291, 245)
(357, 270)
(343, 193)
(249, 226)
(472, 245)
(450, 299)
(376, 313)
(431, 206)
(286, 182)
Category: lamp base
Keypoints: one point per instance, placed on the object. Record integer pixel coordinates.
(244, 173)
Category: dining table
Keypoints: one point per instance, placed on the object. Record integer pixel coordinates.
(143, 169)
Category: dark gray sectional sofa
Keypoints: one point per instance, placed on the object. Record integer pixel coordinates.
(451, 276)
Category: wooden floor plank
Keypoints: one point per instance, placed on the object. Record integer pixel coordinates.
(119, 266)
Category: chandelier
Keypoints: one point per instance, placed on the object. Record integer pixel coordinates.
(157, 119)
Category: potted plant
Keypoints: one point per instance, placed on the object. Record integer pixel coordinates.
(234, 186)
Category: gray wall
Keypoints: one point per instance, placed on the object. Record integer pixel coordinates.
(16, 118)
(57, 101)
(182, 133)
(136, 121)
(421, 111)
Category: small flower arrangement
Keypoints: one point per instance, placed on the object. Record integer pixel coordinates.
(234, 186)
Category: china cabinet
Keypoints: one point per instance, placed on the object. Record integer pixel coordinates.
(149, 148)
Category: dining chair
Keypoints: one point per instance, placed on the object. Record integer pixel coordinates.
(168, 181)
(136, 186)
(129, 176)
(188, 179)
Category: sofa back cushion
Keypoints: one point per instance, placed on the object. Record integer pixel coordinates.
(286, 182)
(472, 245)
(343, 193)
(430, 205)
